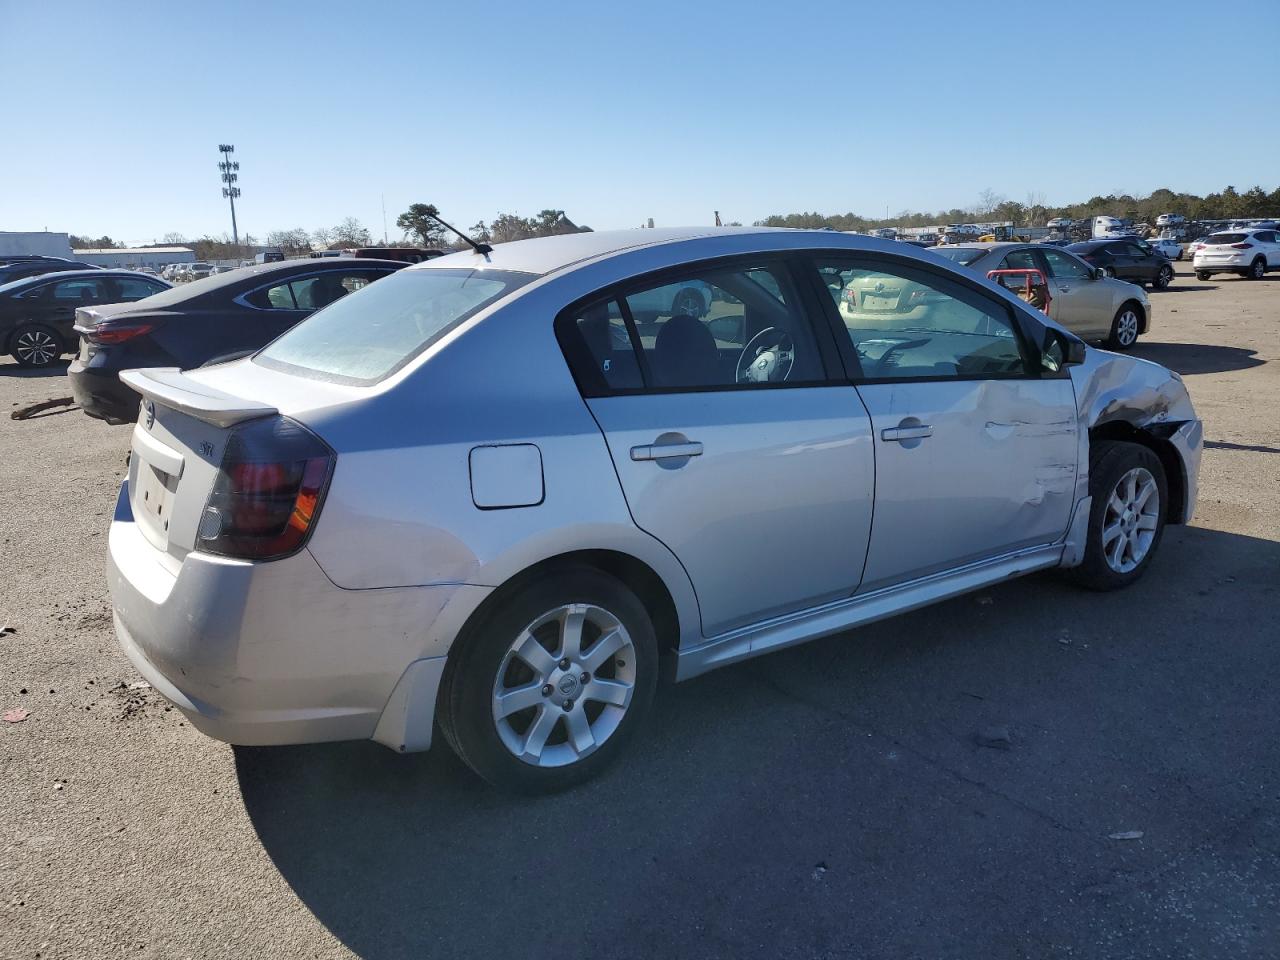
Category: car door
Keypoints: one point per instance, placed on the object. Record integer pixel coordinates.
(732, 445)
(975, 442)
(1270, 243)
(1081, 302)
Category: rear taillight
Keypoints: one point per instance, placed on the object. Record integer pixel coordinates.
(1241, 246)
(109, 332)
(268, 493)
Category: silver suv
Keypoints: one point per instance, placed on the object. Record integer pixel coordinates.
(479, 497)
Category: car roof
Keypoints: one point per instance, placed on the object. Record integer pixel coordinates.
(70, 275)
(543, 255)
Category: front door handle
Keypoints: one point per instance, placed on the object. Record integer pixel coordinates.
(666, 451)
(907, 433)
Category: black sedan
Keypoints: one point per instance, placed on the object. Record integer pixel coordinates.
(33, 266)
(1128, 259)
(37, 313)
(219, 318)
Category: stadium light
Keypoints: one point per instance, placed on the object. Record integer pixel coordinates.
(230, 174)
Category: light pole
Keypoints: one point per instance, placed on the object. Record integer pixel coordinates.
(230, 190)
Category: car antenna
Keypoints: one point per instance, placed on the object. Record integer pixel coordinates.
(481, 248)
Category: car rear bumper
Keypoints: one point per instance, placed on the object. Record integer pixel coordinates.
(101, 395)
(1235, 262)
(274, 653)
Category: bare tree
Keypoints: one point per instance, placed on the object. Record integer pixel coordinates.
(350, 233)
(321, 237)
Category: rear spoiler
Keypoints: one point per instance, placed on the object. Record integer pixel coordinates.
(172, 388)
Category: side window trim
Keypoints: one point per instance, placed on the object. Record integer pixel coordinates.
(1020, 325)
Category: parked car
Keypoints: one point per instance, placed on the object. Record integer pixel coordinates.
(1250, 253)
(1167, 247)
(37, 313)
(198, 270)
(221, 268)
(1129, 259)
(1170, 220)
(18, 269)
(1084, 299)
(476, 495)
(206, 321)
(182, 272)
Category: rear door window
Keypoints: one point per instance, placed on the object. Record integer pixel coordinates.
(135, 288)
(84, 290)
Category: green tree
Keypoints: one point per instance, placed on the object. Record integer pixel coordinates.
(416, 222)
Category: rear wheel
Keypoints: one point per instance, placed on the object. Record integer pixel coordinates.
(35, 345)
(545, 690)
(1126, 518)
(1163, 278)
(1203, 274)
(1124, 328)
(1258, 269)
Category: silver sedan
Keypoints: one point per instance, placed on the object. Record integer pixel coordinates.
(1082, 298)
(491, 493)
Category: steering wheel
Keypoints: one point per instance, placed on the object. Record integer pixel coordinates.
(768, 358)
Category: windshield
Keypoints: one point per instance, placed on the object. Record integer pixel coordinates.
(961, 255)
(1225, 238)
(370, 334)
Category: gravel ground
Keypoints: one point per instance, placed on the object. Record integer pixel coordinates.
(832, 800)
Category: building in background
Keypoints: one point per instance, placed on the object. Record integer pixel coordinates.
(132, 258)
(35, 244)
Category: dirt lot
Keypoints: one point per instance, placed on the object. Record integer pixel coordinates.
(828, 801)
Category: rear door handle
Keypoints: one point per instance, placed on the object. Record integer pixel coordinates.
(907, 433)
(666, 451)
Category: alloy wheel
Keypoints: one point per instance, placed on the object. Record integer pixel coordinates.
(564, 685)
(36, 348)
(1127, 328)
(1131, 519)
(1259, 269)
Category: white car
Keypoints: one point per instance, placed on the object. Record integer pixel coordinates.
(1170, 220)
(1250, 253)
(1166, 247)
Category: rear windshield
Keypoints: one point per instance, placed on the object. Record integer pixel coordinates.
(961, 255)
(370, 334)
(1225, 238)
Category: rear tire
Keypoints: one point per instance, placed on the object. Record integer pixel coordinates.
(1257, 269)
(1125, 529)
(533, 742)
(1125, 328)
(1203, 274)
(35, 345)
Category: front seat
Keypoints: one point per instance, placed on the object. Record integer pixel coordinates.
(324, 290)
(685, 354)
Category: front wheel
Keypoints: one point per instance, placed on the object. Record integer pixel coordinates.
(544, 691)
(1163, 278)
(35, 345)
(1126, 519)
(1203, 274)
(1124, 328)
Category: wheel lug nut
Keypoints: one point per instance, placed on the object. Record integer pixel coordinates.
(585, 677)
(546, 689)
(568, 704)
(564, 664)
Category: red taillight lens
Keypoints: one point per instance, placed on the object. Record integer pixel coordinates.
(108, 332)
(1241, 246)
(268, 493)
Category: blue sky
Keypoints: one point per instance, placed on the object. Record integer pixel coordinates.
(614, 112)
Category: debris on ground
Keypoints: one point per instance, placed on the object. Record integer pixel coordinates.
(1064, 638)
(15, 715)
(819, 870)
(1127, 835)
(995, 737)
(134, 697)
(31, 409)
(6, 630)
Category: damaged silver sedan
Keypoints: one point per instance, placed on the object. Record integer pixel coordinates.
(490, 494)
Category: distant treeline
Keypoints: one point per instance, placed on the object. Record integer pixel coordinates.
(1230, 204)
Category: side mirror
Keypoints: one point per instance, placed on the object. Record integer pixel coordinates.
(1099, 273)
(1060, 350)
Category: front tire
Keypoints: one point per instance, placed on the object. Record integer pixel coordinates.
(1124, 328)
(1163, 279)
(1203, 274)
(35, 345)
(1127, 516)
(544, 690)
